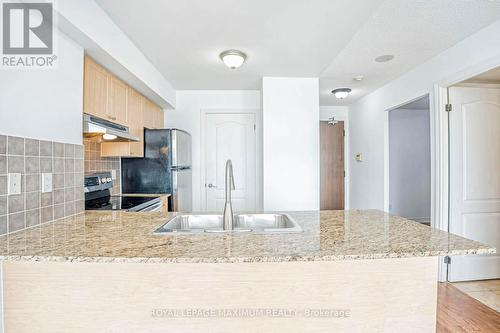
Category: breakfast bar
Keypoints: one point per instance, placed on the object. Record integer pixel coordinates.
(109, 271)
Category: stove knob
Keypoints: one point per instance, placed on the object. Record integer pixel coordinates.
(104, 180)
(109, 180)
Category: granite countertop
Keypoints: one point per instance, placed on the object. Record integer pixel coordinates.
(327, 235)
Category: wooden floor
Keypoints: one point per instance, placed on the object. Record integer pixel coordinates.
(458, 312)
(485, 291)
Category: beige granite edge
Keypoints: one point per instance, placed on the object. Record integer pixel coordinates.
(252, 259)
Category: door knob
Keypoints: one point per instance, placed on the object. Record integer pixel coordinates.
(211, 186)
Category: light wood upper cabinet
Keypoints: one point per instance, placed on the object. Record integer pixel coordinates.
(96, 82)
(159, 117)
(117, 108)
(109, 98)
(135, 107)
(149, 120)
(153, 115)
(136, 103)
(105, 96)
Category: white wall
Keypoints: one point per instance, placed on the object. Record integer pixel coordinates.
(410, 163)
(368, 116)
(45, 103)
(337, 111)
(290, 113)
(187, 116)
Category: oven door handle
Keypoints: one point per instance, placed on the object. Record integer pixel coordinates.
(156, 207)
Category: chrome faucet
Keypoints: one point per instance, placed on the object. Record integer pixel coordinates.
(228, 206)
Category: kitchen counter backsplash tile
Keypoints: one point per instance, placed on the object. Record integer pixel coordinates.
(31, 158)
(95, 163)
(3, 144)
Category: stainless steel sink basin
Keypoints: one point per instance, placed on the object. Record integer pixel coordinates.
(250, 223)
(229, 222)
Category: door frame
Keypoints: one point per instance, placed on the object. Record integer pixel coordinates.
(439, 99)
(346, 156)
(387, 152)
(439, 163)
(439, 147)
(485, 86)
(258, 152)
(387, 161)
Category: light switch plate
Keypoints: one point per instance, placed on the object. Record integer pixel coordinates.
(359, 157)
(14, 180)
(113, 174)
(46, 182)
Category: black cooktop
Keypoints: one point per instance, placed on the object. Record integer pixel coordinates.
(116, 202)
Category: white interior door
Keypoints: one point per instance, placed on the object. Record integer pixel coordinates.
(475, 178)
(230, 136)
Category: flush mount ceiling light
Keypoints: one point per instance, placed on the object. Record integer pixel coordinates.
(358, 78)
(109, 136)
(341, 93)
(384, 58)
(233, 58)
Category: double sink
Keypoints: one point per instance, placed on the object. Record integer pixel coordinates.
(229, 222)
(242, 223)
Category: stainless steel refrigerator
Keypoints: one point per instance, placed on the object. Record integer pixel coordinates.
(165, 168)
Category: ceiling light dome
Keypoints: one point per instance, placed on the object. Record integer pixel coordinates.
(109, 136)
(233, 58)
(384, 58)
(341, 93)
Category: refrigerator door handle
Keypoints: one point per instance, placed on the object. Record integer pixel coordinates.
(181, 148)
(182, 190)
(173, 140)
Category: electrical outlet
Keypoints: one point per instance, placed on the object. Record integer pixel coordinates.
(113, 174)
(14, 180)
(46, 182)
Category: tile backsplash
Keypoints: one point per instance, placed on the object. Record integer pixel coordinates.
(31, 158)
(95, 163)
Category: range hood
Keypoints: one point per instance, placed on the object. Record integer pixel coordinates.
(93, 126)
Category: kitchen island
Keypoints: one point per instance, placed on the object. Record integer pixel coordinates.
(107, 271)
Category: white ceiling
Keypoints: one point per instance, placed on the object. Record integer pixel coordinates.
(333, 40)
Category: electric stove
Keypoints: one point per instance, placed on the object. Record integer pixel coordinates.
(98, 196)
